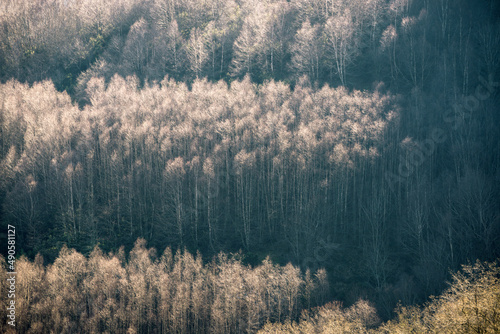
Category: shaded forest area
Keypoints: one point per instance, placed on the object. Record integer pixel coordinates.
(358, 136)
(469, 305)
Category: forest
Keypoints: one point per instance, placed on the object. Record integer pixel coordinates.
(306, 164)
(142, 292)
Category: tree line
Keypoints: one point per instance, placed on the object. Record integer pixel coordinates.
(404, 43)
(142, 292)
(214, 167)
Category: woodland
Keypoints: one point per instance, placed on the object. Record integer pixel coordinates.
(306, 165)
(141, 292)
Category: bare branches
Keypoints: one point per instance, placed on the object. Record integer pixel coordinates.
(103, 292)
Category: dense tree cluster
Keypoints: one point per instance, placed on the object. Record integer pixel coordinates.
(470, 305)
(349, 43)
(59, 39)
(214, 166)
(357, 135)
(146, 293)
(142, 292)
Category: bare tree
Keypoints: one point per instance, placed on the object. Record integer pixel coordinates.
(307, 51)
(343, 42)
(196, 50)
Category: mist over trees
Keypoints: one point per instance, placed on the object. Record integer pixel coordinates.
(358, 136)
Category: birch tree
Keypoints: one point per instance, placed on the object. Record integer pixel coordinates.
(307, 51)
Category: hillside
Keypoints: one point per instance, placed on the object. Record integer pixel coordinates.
(360, 138)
